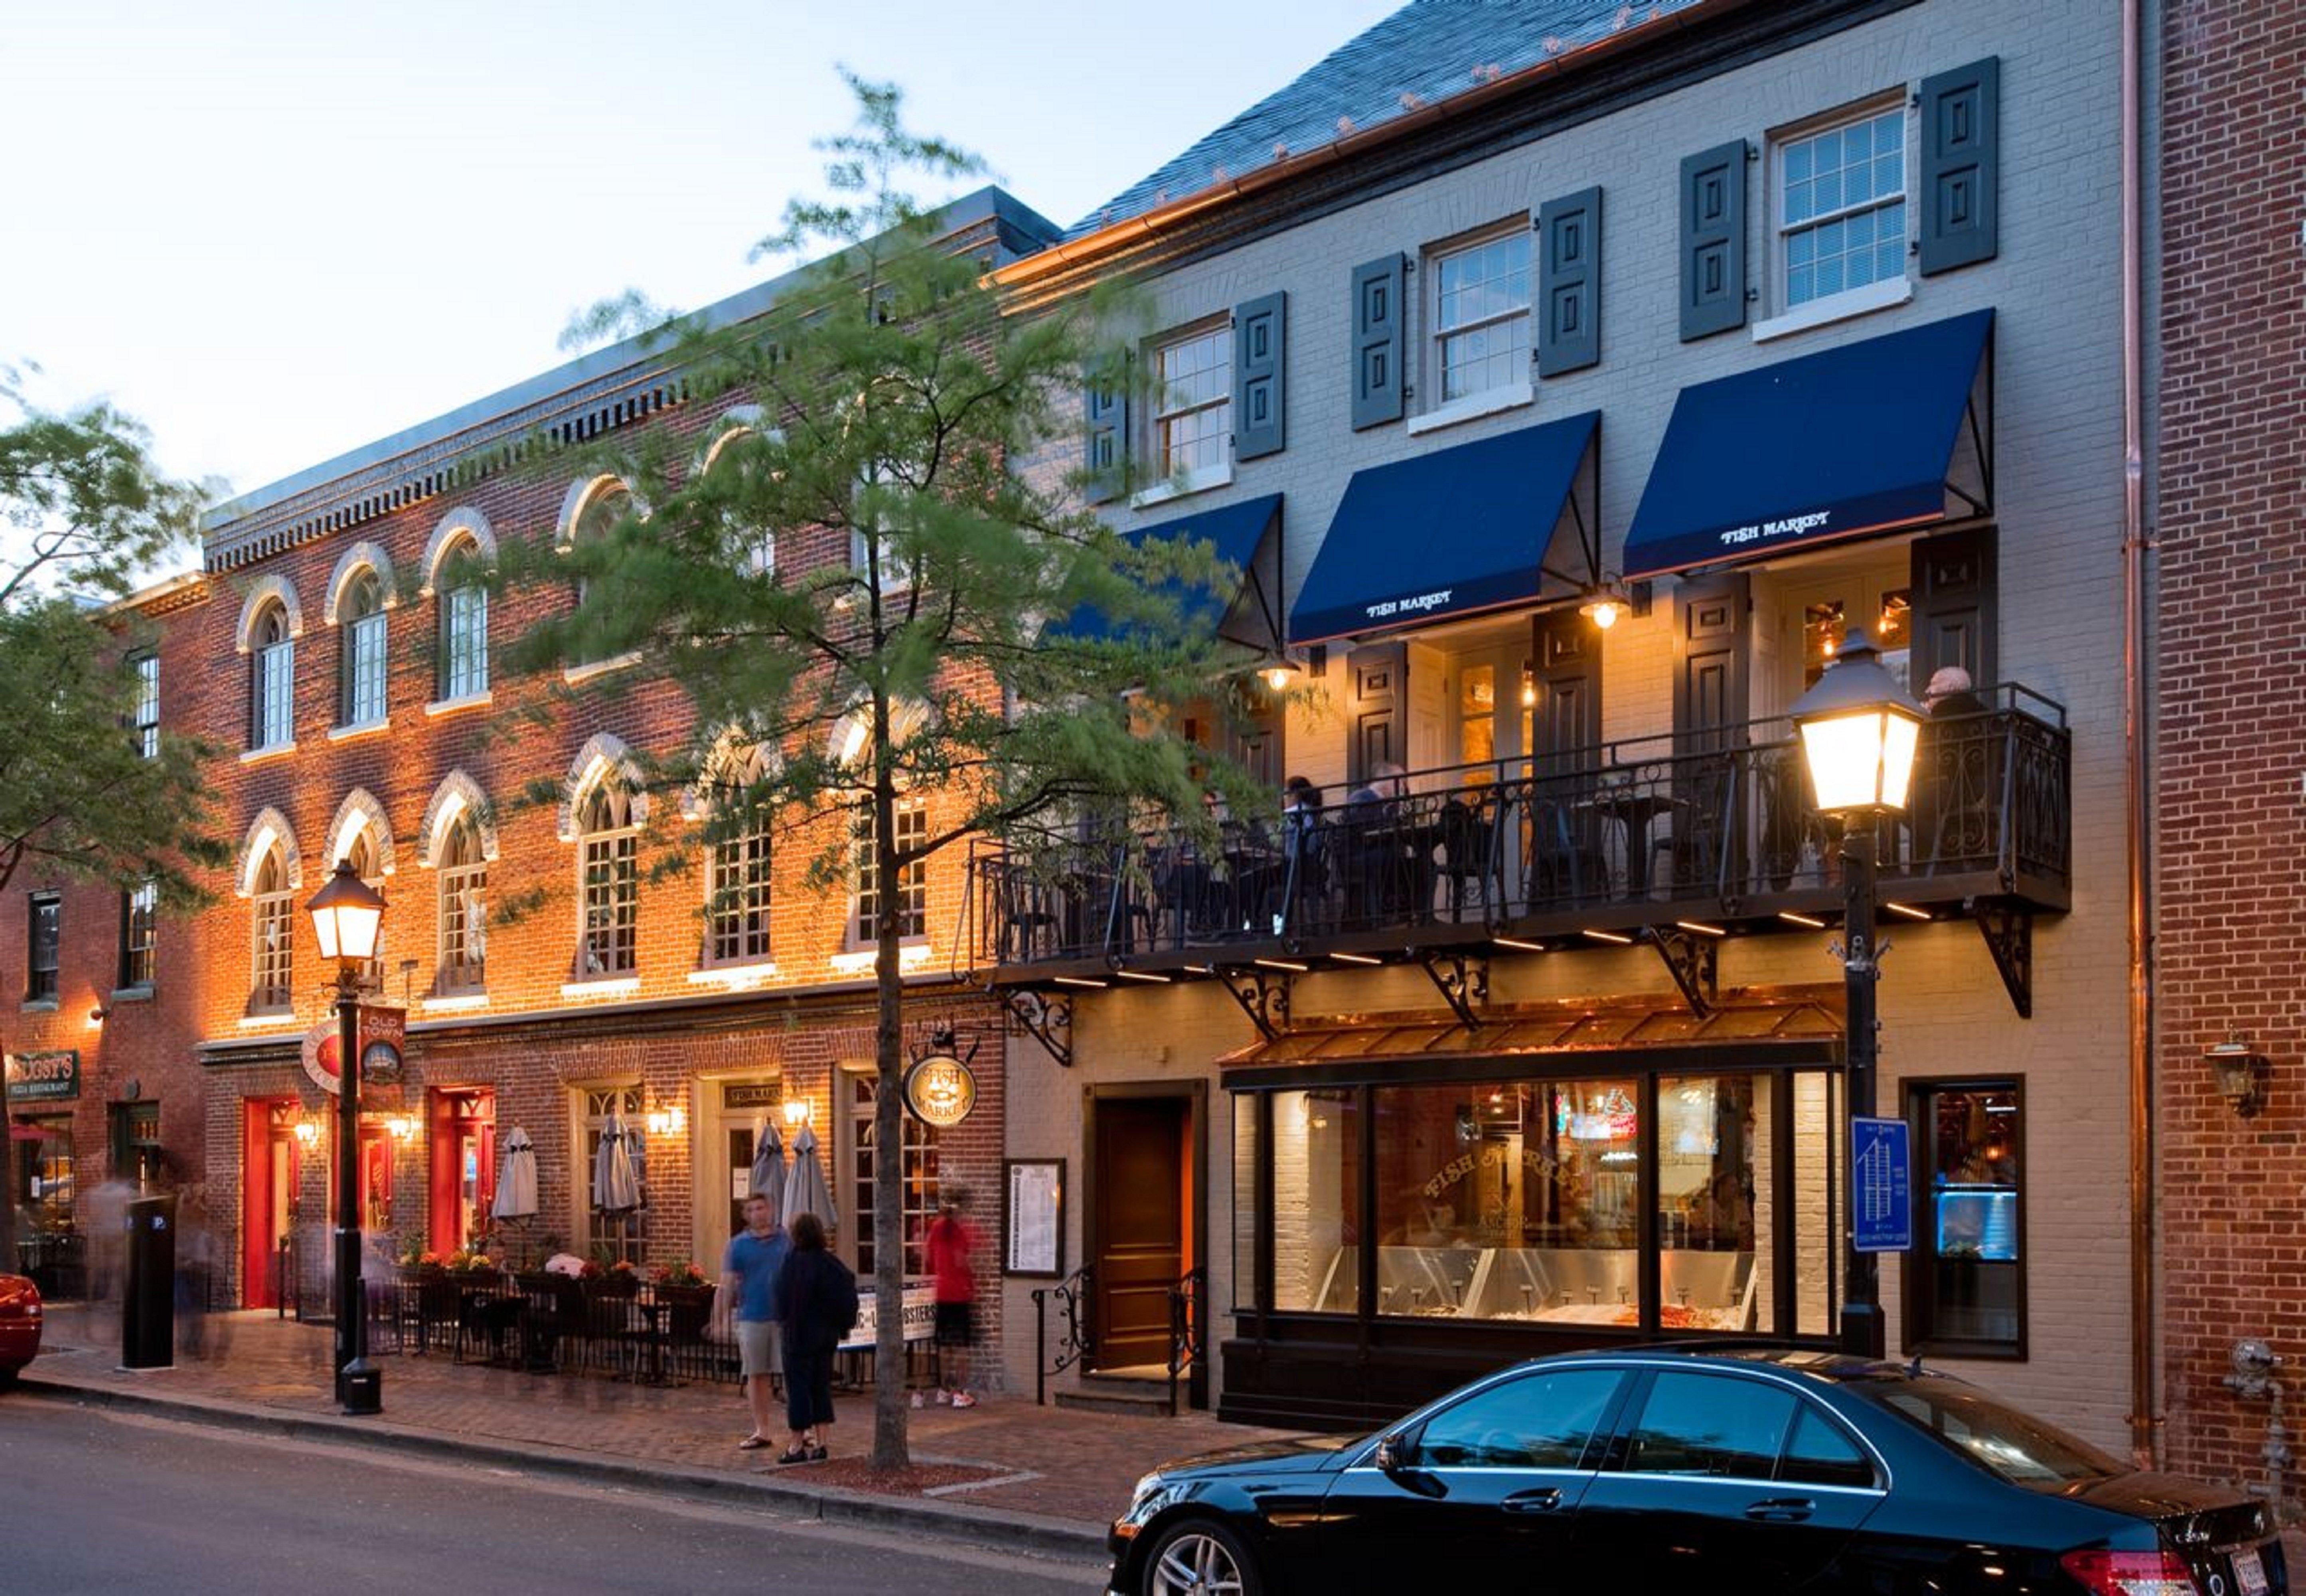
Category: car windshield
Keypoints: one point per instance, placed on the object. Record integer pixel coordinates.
(2023, 1450)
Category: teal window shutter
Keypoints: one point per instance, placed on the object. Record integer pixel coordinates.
(1960, 150)
(1260, 389)
(1714, 241)
(1378, 333)
(1570, 281)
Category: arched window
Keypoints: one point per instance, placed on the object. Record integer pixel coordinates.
(272, 679)
(754, 547)
(464, 651)
(361, 692)
(463, 909)
(606, 503)
(737, 910)
(271, 989)
(608, 881)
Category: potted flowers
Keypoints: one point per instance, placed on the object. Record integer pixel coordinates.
(688, 1294)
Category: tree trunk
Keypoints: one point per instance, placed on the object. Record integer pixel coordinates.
(889, 1412)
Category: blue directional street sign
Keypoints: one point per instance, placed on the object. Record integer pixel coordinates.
(1880, 1187)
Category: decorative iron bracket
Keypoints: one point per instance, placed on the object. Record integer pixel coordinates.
(1263, 995)
(2008, 929)
(1693, 961)
(1462, 983)
(1049, 1020)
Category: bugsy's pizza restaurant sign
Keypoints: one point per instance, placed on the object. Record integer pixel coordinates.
(44, 1077)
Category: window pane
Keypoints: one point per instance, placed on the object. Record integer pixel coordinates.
(1821, 1454)
(1712, 1222)
(1973, 1244)
(1246, 1219)
(1317, 1177)
(1509, 1201)
(1540, 1421)
(1715, 1426)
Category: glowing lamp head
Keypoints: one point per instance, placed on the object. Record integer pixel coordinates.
(796, 1112)
(1603, 610)
(1280, 673)
(1860, 732)
(346, 914)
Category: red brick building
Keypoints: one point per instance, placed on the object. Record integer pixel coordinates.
(357, 694)
(2229, 726)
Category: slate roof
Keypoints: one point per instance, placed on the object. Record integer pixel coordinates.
(1426, 52)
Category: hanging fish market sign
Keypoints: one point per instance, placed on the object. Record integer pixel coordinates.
(941, 1092)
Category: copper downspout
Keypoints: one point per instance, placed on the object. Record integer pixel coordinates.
(2144, 1430)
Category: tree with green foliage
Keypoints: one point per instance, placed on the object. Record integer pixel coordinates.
(895, 418)
(82, 796)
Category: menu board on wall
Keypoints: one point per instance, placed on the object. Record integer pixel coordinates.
(1035, 1232)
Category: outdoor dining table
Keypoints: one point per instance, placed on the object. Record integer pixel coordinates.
(1633, 810)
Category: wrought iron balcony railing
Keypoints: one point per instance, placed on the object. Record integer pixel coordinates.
(1642, 832)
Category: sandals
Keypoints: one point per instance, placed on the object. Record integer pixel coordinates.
(752, 1443)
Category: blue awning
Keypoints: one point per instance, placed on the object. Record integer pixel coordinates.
(1246, 534)
(1892, 432)
(1453, 532)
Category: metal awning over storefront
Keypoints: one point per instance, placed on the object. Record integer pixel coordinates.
(1785, 1024)
(1246, 535)
(1455, 533)
(1894, 431)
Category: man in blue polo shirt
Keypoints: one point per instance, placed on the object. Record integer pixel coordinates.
(748, 1289)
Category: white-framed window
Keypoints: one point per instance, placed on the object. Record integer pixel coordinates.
(147, 724)
(44, 942)
(916, 1169)
(139, 912)
(608, 882)
(754, 548)
(1480, 315)
(464, 910)
(273, 905)
(1840, 198)
(1192, 402)
(361, 691)
(464, 630)
(913, 883)
(612, 1236)
(272, 680)
(608, 503)
(737, 918)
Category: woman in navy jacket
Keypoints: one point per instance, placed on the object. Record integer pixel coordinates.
(816, 1303)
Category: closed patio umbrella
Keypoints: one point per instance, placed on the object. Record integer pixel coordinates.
(769, 1169)
(616, 1183)
(805, 1187)
(515, 1199)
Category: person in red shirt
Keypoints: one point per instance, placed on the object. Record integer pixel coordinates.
(951, 1241)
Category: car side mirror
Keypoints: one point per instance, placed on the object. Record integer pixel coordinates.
(1392, 1455)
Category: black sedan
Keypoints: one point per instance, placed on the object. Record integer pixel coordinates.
(1657, 1470)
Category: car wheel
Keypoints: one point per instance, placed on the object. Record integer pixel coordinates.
(1199, 1558)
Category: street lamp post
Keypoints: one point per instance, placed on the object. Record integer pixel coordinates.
(346, 914)
(1859, 733)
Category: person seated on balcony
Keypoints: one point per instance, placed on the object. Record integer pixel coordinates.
(1948, 808)
(1373, 811)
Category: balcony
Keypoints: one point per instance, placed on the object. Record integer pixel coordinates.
(1652, 840)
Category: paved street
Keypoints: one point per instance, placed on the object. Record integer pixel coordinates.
(104, 1502)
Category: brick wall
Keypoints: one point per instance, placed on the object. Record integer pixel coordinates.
(2229, 727)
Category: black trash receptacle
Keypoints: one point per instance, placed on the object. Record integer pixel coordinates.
(148, 1315)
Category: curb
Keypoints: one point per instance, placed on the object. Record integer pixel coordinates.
(1004, 1531)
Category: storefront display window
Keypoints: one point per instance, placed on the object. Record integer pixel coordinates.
(44, 1162)
(1639, 1203)
(1966, 1280)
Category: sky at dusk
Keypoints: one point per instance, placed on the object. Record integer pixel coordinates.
(275, 232)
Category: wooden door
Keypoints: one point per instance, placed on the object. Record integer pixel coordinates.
(1712, 623)
(1566, 686)
(1954, 616)
(1377, 710)
(1139, 1242)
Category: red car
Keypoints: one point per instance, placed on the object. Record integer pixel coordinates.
(20, 1325)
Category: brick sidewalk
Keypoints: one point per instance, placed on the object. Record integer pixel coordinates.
(1005, 1455)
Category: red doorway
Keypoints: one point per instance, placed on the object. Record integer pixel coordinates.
(463, 1144)
(272, 1162)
